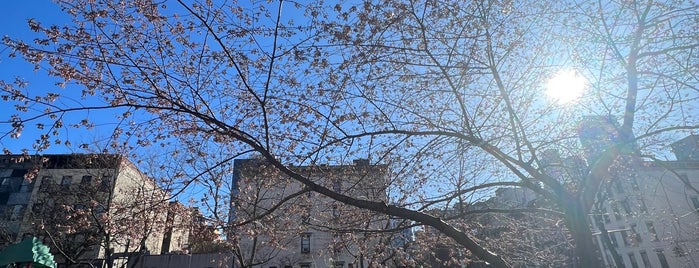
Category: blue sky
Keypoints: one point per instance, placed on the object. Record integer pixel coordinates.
(14, 19)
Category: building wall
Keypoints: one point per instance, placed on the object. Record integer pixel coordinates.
(280, 239)
(67, 190)
(651, 215)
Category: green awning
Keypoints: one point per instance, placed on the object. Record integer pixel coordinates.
(30, 250)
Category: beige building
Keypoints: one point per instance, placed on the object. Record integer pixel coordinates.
(88, 208)
(279, 224)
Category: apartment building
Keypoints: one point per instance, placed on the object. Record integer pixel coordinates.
(89, 208)
(650, 212)
(646, 214)
(278, 223)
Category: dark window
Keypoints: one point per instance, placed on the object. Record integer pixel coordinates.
(46, 181)
(66, 180)
(17, 212)
(86, 180)
(632, 259)
(662, 259)
(651, 231)
(106, 183)
(305, 265)
(306, 243)
(612, 239)
(337, 243)
(695, 202)
(339, 264)
(336, 212)
(636, 238)
(26, 186)
(644, 258)
(625, 237)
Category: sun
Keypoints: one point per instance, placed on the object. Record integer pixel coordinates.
(566, 86)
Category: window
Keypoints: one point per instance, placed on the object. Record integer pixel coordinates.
(596, 219)
(661, 258)
(632, 259)
(66, 180)
(651, 230)
(612, 239)
(99, 209)
(336, 212)
(46, 181)
(306, 243)
(305, 265)
(350, 265)
(644, 258)
(339, 264)
(25, 187)
(86, 179)
(627, 208)
(695, 202)
(106, 183)
(642, 205)
(617, 213)
(17, 212)
(625, 237)
(337, 243)
(635, 237)
(6, 185)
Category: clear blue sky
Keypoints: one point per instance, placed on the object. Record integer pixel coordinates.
(13, 18)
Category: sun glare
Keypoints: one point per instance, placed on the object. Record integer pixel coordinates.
(565, 86)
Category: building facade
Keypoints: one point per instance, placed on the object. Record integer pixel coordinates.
(649, 212)
(89, 208)
(284, 225)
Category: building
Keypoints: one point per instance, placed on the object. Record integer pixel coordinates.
(650, 212)
(279, 223)
(90, 208)
(647, 212)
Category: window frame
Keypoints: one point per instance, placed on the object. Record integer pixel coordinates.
(305, 243)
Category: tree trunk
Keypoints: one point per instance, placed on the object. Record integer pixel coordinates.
(585, 252)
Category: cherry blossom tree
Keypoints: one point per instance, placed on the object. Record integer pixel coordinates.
(449, 95)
